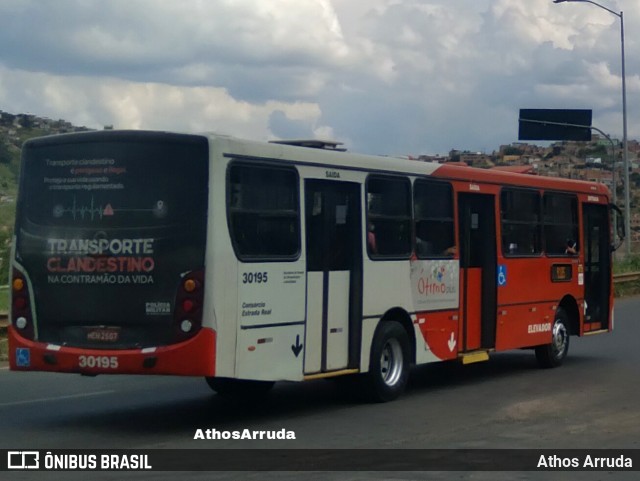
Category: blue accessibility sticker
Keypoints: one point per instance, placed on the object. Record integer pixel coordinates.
(502, 275)
(23, 357)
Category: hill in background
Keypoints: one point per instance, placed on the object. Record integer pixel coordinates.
(14, 131)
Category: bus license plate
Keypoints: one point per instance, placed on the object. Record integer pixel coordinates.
(103, 334)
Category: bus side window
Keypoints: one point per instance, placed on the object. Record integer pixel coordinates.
(433, 213)
(389, 217)
(560, 224)
(263, 209)
(521, 224)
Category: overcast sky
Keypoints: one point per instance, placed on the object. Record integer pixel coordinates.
(383, 76)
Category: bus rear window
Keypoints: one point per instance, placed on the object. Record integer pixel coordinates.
(127, 181)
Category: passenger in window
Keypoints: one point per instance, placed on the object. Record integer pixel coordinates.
(371, 239)
(427, 249)
(450, 251)
(424, 248)
(572, 247)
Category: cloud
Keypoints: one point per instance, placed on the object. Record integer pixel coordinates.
(148, 40)
(386, 76)
(136, 105)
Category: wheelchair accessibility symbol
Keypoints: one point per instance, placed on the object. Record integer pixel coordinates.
(502, 275)
(23, 357)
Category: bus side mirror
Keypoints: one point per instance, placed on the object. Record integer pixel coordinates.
(618, 223)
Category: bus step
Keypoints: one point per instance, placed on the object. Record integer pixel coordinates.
(473, 356)
(325, 375)
(599, 331)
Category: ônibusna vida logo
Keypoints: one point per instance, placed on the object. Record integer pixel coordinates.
(23, 460)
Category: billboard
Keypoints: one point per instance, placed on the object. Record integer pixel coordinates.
(555, 124)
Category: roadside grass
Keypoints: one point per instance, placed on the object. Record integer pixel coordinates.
(631, 288)
(4, 299)
(632, 264)
(4, 308)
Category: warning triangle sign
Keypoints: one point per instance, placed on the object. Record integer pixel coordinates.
(108, 210)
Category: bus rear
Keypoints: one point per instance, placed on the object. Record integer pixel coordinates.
(108, 255)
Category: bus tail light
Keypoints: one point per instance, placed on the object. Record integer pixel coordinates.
(21, 315)
(188, 305)
(189, 300)
(190, 285)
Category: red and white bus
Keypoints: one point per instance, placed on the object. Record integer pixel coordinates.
(248, 263)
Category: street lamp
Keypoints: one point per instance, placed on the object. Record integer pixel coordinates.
(625, 163)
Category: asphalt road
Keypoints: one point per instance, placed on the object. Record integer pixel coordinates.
(592, 401)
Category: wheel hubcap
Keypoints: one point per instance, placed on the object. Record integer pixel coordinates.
(559, 341)
(391, 362)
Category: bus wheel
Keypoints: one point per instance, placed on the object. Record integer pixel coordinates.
(389, 363)
(239, 389)
(552, 354)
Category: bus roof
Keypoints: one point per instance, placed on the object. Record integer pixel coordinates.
(301, 153)
(395, 165)
(493, 176)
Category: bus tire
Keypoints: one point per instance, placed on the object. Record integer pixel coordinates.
(389, 363)
(553, 354)
(239, 389)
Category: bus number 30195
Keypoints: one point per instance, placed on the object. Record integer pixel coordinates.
(103, 362)
(254, 277)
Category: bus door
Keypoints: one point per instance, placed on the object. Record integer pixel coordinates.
(334, 275)
(597, 263)
(477, 228)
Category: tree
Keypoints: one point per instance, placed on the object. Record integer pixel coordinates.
(26, 121)
(511, 150)
(5, 153)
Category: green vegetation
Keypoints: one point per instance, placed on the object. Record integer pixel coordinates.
(8, 190)
(4, 300)
(630, 288)
(595, 151)
(632, 264)
(14, 131)
(511, 150)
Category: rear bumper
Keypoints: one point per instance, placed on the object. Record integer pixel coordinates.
(195, 357)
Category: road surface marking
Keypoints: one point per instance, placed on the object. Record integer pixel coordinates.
(59, 398)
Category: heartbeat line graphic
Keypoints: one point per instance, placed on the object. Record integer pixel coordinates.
(92, 211)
